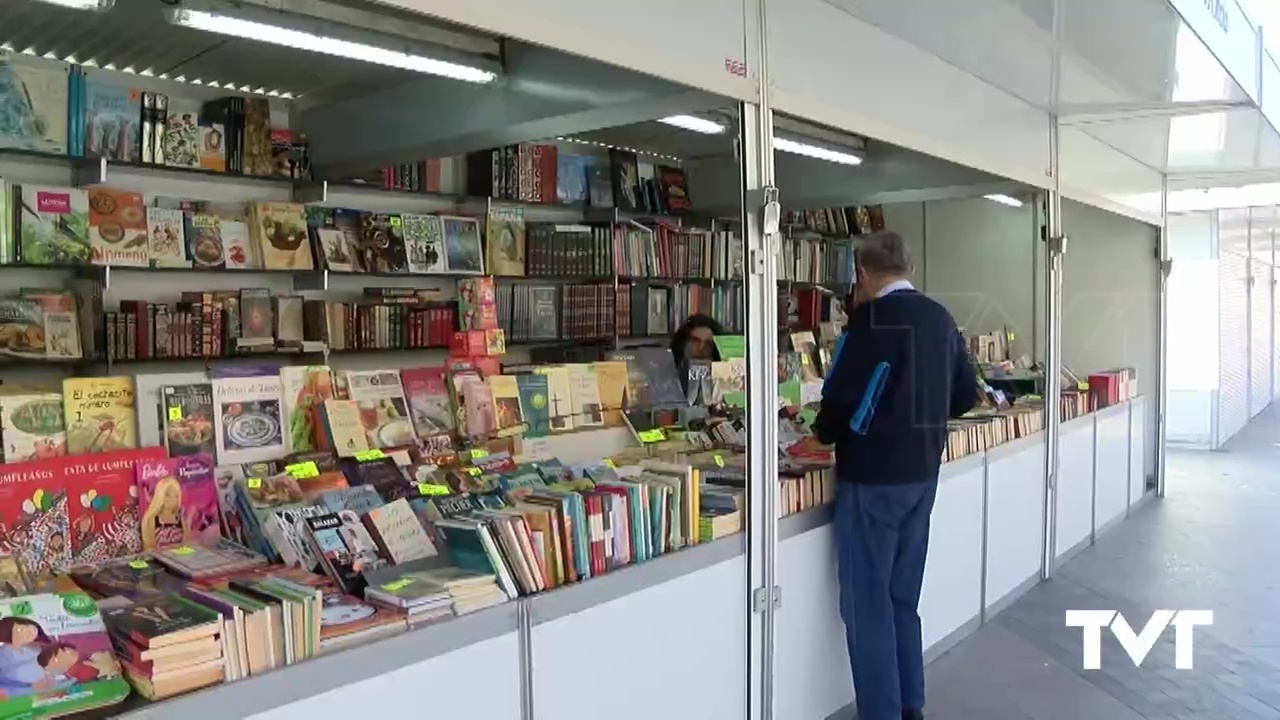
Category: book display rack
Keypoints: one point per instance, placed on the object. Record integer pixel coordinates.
(312, 409)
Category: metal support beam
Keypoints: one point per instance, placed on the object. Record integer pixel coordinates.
(1162, 358)
(1055, 245)
(1093, 113)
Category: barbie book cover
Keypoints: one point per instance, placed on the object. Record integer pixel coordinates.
(178, 499)
(55, 657)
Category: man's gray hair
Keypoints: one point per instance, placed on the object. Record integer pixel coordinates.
(883, 253)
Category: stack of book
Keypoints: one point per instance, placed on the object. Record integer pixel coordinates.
(168, 645)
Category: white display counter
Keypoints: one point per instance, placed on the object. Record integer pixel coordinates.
(577, 653)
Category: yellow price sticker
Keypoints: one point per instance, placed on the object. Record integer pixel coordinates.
(253, 483)
(175, 414)
(477, 453)
(184, 550)
(1012, 337)
(302, 471)
(652, 436)
(1082, 385)
(804, 359)
(473, 471)
(719, 460)
(138, 564)
(368, 455)
(400, 584)
(432, 489)
(608, 462)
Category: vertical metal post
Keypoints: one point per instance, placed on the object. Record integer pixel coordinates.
(1055, 244)
(1162, 359)
(759, 207)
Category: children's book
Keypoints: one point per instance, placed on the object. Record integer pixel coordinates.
(99, 413)
(102, 503)
(58, 657)
(178, 500)
(32, 427)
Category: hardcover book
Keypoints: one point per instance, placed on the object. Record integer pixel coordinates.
(305, 388)
(384, 411)
(53, 226)
(203, 233)
(167, 240)
(35, 93)
(398, 533)
(345, 548)
(462, 245)
(59, 659)
(112, 121)
(33, 517)
(118, 228)
(102, 501)
(382, 243)
(162, 620)
(178, 499)
(505, 240)
(247, 418)
(280, 234)
(187, 414)
(424, 243)
(99, 413)
(534, 404)
(32, 427)
(625, 176)
(584, 393)
(427, 392)
(612, 376)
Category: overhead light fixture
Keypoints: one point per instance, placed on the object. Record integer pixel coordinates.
(1004, 200)
(224, 24)
(97, 5)
(798, 148)
(696, 124)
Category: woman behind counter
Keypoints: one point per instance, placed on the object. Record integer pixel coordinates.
(696, 340)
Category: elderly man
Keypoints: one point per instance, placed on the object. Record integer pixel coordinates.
(900, 371)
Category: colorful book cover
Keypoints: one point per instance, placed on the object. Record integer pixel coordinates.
(534, 404)
(32, 427)
(382, 247)
(99, 413)
(33, 115)
(166, 238)
(118, 228)
(53, 226)
(61, 322)
(384, 411)
(22, 329)
(102, 503)
(247, 418)
(187, 414)
(33, 517)
(112, 122)
(280, 231)
(424, 243)
(559, 397)
(56, 658)
(584, 392)
(345, 548)
(571, 178)
(178, 498)
(463, 251)
(508, 414)
(505, 240)
(427, 391)
(305, 390)
(237, 247)
(612, 377)
(203, 233)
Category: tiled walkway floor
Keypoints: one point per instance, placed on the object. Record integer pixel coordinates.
(1213, 543)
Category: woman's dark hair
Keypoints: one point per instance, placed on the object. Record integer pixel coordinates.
(681, 338)
(7, 625)
(48, 652)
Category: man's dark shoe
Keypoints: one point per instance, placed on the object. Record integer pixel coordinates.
(912, 715)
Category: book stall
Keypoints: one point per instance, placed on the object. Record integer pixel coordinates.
(306, 408)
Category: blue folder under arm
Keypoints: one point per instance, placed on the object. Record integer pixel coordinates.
(867, 406)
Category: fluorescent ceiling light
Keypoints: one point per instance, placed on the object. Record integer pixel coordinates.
(250, 30)
(813, 151)
(1004, 200)
(696, 124)
(83, 4)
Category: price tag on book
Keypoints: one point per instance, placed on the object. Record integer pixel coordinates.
(184, 550)
(804, 359)
(369, 455)
(652, 436)
(608, 462)
(302, 471)
(477, 453)
(473, 471)
(175, 414)
(719, 460)
(432, 489)
(138, 564)
(253, 483)
(1082, 385)
(400, 584)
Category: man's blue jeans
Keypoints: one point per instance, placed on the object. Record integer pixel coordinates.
(882, 538)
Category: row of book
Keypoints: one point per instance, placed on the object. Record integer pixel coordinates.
(982, 431)
(843, 221)
(818, 260)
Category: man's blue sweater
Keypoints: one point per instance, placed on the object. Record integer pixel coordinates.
(899, 435)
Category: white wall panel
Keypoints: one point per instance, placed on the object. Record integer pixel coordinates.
(1137, 478)
(1225, 29)
(668, 632)
(1259, 336)
(1075, 484)
(400, 693)
(818, 57)
(1015, 516)
(1111, 465)
(1096, 173)
(812, 677)
(952, 593)
(1191, 417)
(1233, 345)
(639, 36)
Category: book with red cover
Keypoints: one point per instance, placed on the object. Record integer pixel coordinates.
(102, 504)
